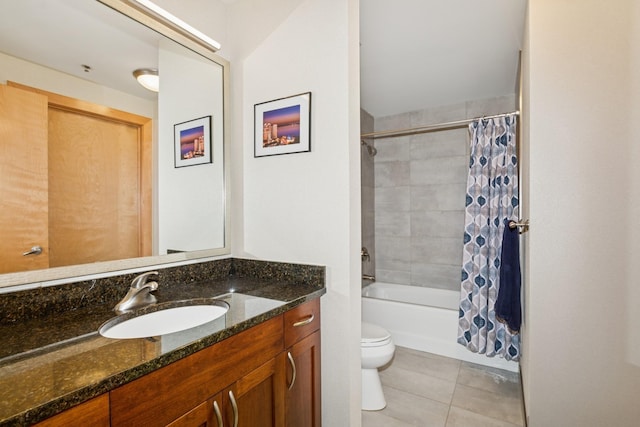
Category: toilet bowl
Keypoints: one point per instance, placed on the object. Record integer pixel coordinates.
(376, 350)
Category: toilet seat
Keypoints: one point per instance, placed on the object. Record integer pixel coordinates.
(374, 335)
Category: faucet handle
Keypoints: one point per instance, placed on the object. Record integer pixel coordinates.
(139, 281)
(364, 254)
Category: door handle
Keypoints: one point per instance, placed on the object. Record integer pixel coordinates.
(293, 369)
(306, 321)
(216, 409)
(36, 250)
(234, 406)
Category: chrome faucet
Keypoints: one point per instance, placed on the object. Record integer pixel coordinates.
(139, 293)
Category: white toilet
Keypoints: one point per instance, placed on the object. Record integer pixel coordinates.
(377, 350)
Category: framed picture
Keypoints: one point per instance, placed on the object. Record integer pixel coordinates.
(283, 126)
(192, 142)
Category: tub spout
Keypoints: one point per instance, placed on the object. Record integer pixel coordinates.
(368, 277)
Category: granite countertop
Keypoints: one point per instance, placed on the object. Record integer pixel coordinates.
(53, 362)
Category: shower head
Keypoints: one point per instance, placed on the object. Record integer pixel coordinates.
(370, 148)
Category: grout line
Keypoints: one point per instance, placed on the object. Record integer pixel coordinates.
(451, 403)
(419, 396)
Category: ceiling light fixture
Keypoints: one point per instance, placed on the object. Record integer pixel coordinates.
(148, 78)
(158, 11)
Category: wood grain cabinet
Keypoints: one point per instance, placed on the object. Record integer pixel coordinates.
(302, 342)
(257, 399)
(207, 414)
(266, 376)
(254, 400)
(94, 412)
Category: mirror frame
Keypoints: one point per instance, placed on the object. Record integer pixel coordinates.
(107, 268)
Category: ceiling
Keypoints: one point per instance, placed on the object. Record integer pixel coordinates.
(67, 34)
(414, 54)
(417, 54)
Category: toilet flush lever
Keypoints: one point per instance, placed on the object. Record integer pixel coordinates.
(35, 250)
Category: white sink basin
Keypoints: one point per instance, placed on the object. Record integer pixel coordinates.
(163, 321)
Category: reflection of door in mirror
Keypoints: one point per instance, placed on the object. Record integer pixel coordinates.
(99, 172)
(23, 179)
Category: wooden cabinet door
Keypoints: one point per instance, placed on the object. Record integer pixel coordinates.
(302, 401)
(256, 400)
(207, 414)
(24, 215)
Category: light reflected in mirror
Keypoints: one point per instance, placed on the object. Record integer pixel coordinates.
(139, 183)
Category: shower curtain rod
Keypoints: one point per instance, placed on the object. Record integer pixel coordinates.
(430, 128)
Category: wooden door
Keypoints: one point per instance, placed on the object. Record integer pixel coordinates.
(93, 189)
(303, 392)
(257, 399)
(23, 179)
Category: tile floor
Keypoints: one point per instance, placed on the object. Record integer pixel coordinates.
(428, 390)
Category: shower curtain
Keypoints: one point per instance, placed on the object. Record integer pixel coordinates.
(492, 200)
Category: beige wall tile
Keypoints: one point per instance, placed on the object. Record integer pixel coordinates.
(443, 170)
(426, 174)
(435, 223)
(444, 197)
(392, 199)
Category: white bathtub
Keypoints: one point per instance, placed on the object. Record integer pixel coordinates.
(424, 319)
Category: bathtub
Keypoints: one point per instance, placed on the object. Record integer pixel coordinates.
(424, 319)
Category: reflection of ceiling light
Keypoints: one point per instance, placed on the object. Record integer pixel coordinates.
(148, 78)
(149, 5)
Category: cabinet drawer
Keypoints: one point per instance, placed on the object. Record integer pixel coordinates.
(301, 321)
(94, 412)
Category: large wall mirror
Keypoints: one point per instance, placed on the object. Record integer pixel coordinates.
(97, 173)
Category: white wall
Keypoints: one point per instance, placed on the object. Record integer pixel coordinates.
(580, 361)
(306, 207)
(190, 198)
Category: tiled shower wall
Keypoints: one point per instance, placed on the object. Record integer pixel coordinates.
(419, 196)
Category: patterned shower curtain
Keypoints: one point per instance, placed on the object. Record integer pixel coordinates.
(492, 199)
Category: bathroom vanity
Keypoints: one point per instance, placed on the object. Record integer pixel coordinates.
(257, 365)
